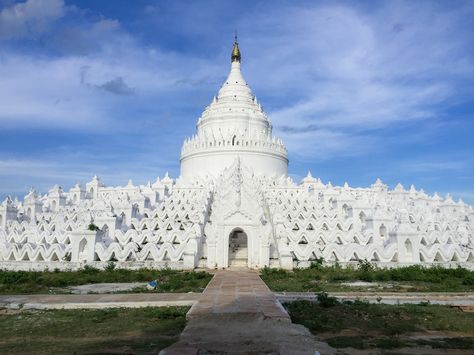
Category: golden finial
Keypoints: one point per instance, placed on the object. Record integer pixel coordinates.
(235, 50)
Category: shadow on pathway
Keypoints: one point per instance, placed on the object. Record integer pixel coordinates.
(238, 314)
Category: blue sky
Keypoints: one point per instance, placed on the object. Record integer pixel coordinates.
(357, 90)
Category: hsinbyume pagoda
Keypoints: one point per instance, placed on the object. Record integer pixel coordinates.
(233, 205)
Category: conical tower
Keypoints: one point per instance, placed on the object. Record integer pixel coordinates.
(233, 125)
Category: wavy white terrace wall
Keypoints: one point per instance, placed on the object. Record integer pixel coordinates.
(287, 225)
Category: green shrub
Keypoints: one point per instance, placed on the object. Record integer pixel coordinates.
(327, 301)
(317, 263)
(93, 227)
(468, 280)
(89, 270)
(110, 266)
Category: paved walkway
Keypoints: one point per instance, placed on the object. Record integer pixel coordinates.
(238, 292)
(97, 300)
(238, 314)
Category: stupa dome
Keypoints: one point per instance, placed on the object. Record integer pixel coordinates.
(234, 125)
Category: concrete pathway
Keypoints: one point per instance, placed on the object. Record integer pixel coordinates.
(97, 300)
(238, 314)
(238, 292)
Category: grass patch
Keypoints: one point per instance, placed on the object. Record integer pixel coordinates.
(380, 325)
(448, 343)
(28, 282)
(330, 278)
(118, 330)
(359, 342)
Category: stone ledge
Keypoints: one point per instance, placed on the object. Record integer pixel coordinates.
(441, 298)
(97, 301)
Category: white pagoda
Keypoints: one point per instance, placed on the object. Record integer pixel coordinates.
(233, 126)
(233, 205)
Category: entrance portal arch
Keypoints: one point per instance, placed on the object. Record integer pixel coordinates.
(238, 248)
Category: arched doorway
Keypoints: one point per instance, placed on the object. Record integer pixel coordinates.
(238, 251)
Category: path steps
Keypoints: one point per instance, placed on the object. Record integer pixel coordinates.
(238, 314)
(238, 257)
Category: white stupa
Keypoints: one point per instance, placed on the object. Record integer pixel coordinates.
(233, 125)
(233, 204)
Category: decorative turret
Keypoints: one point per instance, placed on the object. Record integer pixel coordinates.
(77, 193)
(309, 179)
(32, 204)
(408, 240)
(93, 187)
(8, 211)
(56, 198)
(167, 183)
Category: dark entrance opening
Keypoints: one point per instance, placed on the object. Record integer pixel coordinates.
(238, 252)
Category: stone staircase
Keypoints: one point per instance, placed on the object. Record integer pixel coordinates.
(238, 258)
(238, 255)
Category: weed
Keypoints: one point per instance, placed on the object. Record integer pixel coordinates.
(327, 301)
(110, 266)
(93, 227)
(317, 263)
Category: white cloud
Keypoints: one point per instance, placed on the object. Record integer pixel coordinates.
(62, 92)
(80, 89)
(29, 18)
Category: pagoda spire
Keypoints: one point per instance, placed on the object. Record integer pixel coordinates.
(235, 50)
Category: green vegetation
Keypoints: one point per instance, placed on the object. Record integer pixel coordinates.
(92, 227)
(363, 326)
(27, 282)
(118, 330)
(330, 278)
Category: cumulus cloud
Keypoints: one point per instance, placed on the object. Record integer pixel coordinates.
(29, 18)
(64, 91)
(45, 93)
